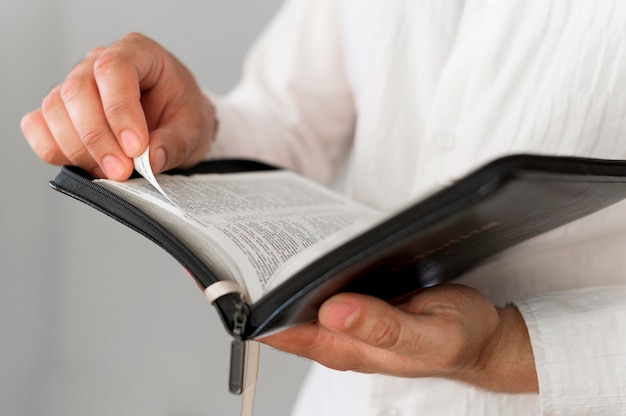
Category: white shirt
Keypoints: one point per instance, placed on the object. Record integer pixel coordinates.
(421, 92)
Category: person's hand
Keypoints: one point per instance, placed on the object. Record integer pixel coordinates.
(114, 103)
(449, 331)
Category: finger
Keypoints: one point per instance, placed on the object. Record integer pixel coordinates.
(171, 146)
(338, 351)
(372, 321)
(62, 129)
(440, 330)
(95, 52)
(122, 72)
(296, 340)
(364, 334)
(437, 333)
(182, 138)
(41, 140)
(81, 99)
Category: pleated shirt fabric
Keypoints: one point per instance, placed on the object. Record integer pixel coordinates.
(417, 93)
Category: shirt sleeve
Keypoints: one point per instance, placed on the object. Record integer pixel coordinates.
(293, 106)
(579, 343)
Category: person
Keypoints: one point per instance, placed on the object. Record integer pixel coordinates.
(415, 93)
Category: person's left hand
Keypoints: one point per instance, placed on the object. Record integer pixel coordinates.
(449, 331)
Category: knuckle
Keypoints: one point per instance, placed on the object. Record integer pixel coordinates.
(106, 63)
(92, 138)
(72, 86)
(383, 334)
(47, 151)
(95, 52)
(453, 359)
(52, 100)
(110, 59)
(50, 154)
(115, 110)
(78, 156)
(133, 37)
(27, 122)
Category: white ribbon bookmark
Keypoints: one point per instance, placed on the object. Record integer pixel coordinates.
(244, 354)
(220, 288)
(247, 352)
(253, 352)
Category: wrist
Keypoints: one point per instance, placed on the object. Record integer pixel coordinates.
(510, 365)
(506, 363)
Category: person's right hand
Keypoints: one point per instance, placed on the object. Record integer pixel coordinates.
(114, 103)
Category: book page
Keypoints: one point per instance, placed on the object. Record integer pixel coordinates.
(142, 165)
(343, 235)
(246, 226)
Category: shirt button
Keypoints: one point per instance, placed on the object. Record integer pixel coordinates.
(445, 140)
(390, 411)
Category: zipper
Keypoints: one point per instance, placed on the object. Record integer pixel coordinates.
(238, 349)
(125, 205)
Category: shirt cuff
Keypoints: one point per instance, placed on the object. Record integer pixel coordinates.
(579, 344)
(226, 142)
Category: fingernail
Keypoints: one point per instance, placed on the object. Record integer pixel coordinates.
(160, 159)
(113, 167)
(130, 142)
(340, 315)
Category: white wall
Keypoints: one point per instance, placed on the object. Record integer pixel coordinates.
(95, 320)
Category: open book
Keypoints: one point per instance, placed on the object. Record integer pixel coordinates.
(254, 228)
(284, 244)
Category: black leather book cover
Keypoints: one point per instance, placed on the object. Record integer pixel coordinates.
(432, 241)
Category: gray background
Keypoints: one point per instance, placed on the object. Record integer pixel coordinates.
(95, 320)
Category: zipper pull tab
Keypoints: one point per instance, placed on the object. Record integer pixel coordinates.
(244, 363)
(238, 351)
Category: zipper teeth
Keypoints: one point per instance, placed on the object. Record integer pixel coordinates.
(97, 188)
(241, 305)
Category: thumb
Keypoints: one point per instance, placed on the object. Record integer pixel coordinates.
(164, 154)
(374, 322)
(184, 133)
(175, 145)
